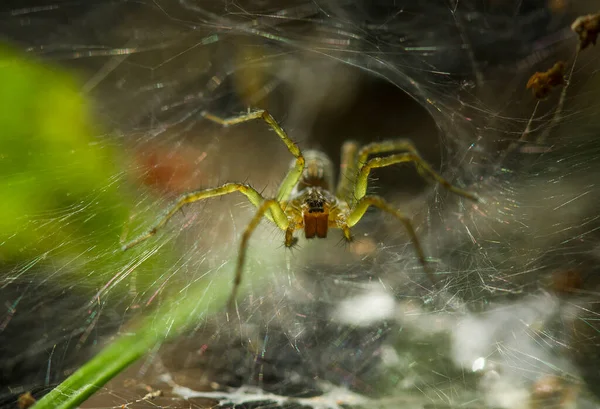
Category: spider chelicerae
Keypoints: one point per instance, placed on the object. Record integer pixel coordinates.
(305, 199)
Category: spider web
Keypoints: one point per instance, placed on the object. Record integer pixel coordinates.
(512, 320)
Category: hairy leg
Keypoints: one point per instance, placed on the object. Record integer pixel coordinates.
(275, 208)
(360, 189)
(396, 145)
(348, 170)
(293, 176)
(365, 202)
(255, 198)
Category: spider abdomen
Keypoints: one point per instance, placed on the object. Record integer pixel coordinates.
(318, 171)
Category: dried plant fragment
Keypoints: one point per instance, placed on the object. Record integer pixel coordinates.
(26, 400)
(543, 82)
(587, 27)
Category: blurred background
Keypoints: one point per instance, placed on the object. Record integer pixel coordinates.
(101, 129)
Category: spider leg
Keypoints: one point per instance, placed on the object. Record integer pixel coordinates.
(255, 198)
(353, 159)
(281, 221)
(397, 145)
(365, 202)
(360, 189)
(348, 170)
(290, 240)
(293, 176)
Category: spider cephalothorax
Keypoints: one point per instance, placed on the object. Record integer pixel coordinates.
(306, 200)
(315, 206)
(311, 197)
(314, 200)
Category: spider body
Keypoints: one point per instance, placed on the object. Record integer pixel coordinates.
(311, 206)
(306, 199)
(315, 210)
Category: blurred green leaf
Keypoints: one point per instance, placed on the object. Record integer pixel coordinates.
(58, 190)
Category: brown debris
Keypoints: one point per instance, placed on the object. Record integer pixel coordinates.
(543, 82)
(26, 400)
(587, 27)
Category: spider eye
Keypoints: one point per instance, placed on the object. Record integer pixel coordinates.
(315, 205)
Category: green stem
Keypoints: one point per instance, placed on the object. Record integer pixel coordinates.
(172, 318)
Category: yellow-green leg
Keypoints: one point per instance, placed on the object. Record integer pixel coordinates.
(365, 202)
(282, 223)
(348, 170)
(374, 148)
(396, 145)
(360, 189)
(293, 176)
(255, 198)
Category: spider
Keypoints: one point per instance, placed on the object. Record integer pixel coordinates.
(305, 199)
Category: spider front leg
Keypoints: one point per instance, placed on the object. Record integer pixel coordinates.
(281, 221)
(255, 198)
(360, 189)
(294, 174)
(358, 211)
